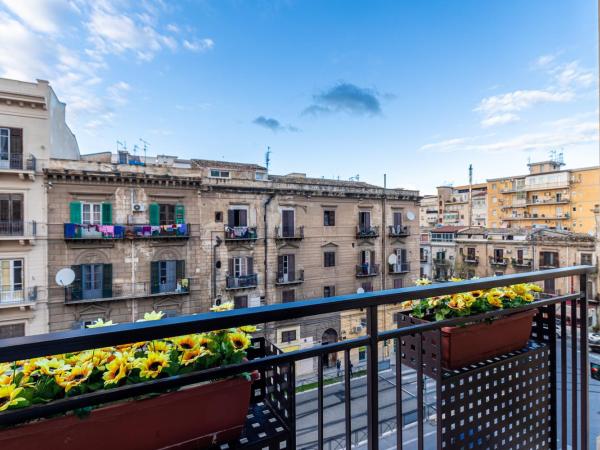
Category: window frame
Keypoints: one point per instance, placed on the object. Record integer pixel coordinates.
(329, 217)
(7, 140)
(329, 258)
(94, 214)
(218, 173)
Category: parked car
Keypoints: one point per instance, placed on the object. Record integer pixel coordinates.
(594, 338)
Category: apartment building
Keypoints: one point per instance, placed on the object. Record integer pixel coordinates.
(181, 236)
(32, 130)
(428, 211)
(455, 206)
(548, 197)
(438, 252)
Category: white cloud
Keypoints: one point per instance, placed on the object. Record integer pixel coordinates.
(520, 100)
(499, 119)
(199, 45)
(41, 15)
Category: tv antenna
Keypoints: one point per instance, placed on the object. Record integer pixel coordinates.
(146, 145)
(122, 145)
(268, 158)
(355, 178)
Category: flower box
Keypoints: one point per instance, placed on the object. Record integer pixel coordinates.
(191, 418)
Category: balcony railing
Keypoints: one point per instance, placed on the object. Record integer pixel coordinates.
(233, 234)
(17, 229)
(399, 231)
(367, 270)
(285, 233)
(401, 267)
(18, 297)
(367, 232)
(523, 263)
(497, 261)
(471, 260)
(18, 162)
(424, 257)
(535, 397)
(74, 231)
(241, 281)
(120, 291)
(441, 261)
(296, 277)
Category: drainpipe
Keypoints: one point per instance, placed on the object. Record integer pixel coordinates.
(266, 222)
(217, 243)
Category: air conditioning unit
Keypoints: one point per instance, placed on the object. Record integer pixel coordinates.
(138, 207)
(357, 329)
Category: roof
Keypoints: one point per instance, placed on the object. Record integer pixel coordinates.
(226, 164)
(447, 229)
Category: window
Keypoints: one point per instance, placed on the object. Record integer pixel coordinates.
(4, 146)
(398, 283)
(329, 218)
(91, 277)
(287, 223)
(12, 330)
(240, 267)
(91, 213)
(240, 301)
(288, 336)
(549, 259)
(397, 218)
(286, 268)
(237, 217)
(329, 259)
(218, 216)
(11, 280)
(364, 220)
(498, 254)
(167, 276)
(586, 259)
(367, 287)
(217, 173)
(166, 214)
(328, 291)
(261, 176)
(11, 214)
(288, 296)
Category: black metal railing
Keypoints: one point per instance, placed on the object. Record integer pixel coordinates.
(401, 267)
(399, 231)
(497, 261)
(119, 291)
(523, 263)
(367, 270)
(18, 228)
(240, 233)
(547, 380)
(471, 259)
(241, 281)
(289, 233)
(75, 231)
(290, 277)
(366, 232)
(18, 296)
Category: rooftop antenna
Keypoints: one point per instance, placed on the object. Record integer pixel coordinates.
(122, 145)
(268, 158)
(146, 145)
(354, 178)
(470, 195)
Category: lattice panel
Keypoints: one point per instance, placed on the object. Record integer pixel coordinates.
(503, 405)
(430, 347)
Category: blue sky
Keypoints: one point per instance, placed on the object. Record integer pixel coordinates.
(417, 90)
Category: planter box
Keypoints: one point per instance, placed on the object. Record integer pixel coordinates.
(464, 345)
(191, 418)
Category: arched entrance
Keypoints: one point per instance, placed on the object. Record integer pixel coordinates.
(329, 337)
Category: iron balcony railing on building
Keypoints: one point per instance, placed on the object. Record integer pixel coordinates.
(401, 267)
(545, 265)
(75, 231)
(367, 232)
(233, 234)
(471, 259)
(18, 162)
(18, 228)
(424, 257)
(441, 261)
(289, 233)
(18, 297)
(399, 231)
(498, 261)
(296, 277)
(241, 281)
(522, 263)
(535, 397)
(120, 291)
(367, 270)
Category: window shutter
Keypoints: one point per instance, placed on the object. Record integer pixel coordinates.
(106, 214)
(154, 214)
(106, 280)
(16, 148)
(243, 218)
(230, 219)
(154, 284)
(231, 267)
(292, 264)
(397, 219)
(179, 213)
(180, 269)
(75, 209)
(280, 264)
(76, 285)
(250, 265)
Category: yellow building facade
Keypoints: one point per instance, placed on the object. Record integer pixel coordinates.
(548, 197)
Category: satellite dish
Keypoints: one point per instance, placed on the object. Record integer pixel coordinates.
(410, 215)
(392, 259)
(64, 277)
(360, 291)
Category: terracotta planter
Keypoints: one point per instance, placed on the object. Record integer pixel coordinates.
(191, 418)
(469, 344)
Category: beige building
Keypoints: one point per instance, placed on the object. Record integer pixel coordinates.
(455, 206)
(181, 236)
(32, 130)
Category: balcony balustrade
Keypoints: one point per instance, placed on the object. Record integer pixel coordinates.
(471, 260)
(367, 232)
(401, 267)
(93, 232)
(497, 261)
(241, 281)
(18, 297)
(18, 162)
(15, 229)
(284, 278)
(289, 233)
(367, 270)
(399, 231)
(120, 291)
(534, 397)
(240, 234)
(523, 263)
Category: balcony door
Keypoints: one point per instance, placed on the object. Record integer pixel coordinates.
(471, 253)
(167, 276)
(520, 254)
(397, 222)
(367, 257)
(92, 280)
(498, 254)
(287, 223)
(237, 217)
(364, 220)
(11, 280)
(287, 268)
(11, 148)
(11, 214)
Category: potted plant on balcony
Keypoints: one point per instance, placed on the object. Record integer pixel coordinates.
(193, 417)
(470, 343)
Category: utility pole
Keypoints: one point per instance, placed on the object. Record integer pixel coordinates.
(470, 223)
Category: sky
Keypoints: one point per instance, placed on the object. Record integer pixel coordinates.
(337, 88)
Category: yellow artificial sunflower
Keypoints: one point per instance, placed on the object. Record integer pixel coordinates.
(528, 297)
(494, 298)
(408, 304)
(239, 341)
(159, 346)
(186, 342)
(190, 356)
(433, 302)
(153, 364)
(519, 289)
(456, 279)
(52, 366)
(152, 316)
(116, 370)
(226, 306)
(6, 380)
(9, 396)
(101, 323)
(74, 377)
(422, 282)
(457, 302)
(534, 287)
(478, 293)
(248, 329)
(510, 294)
(468, 299)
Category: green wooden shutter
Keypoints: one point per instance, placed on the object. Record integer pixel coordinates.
(154, 277)
(154, 214)
(75, 208)
(106, 280)
(76, 285)
(180, 269)
(106, 214)
(179, 213)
